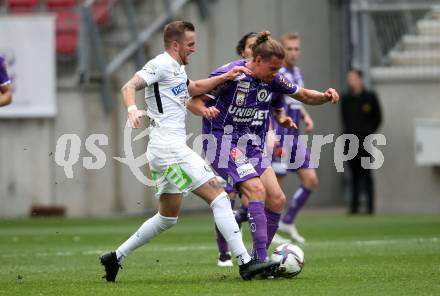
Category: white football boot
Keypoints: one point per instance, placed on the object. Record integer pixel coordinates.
(225, 260)
(291, 230)
(279, 240)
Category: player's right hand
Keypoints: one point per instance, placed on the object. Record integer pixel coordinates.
(210, 112)
(332, 95)
(237, 70)
(133, 118)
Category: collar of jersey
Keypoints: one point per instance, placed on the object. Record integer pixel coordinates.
(175, 63)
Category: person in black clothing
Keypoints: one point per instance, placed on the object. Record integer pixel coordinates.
(361, 116)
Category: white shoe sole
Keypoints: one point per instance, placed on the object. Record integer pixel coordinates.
(227, 263)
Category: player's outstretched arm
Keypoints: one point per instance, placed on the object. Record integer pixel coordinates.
(5, 95)
(129, 90)
(203, 86)
(197, 106)
(313, 97)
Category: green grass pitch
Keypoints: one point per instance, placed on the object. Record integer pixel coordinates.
(381, 255)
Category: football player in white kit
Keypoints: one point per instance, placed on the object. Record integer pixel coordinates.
(175, 168)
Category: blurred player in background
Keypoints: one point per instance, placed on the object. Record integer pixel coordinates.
(237, 102)
(289, 141)
(5, 84)
(176, 168)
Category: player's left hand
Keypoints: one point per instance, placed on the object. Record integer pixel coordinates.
(287, 122)
(237, 70)
(332, 95)
(308, 121)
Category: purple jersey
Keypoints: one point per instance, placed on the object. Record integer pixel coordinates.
(4, 79)
(260, 123)
(239, 100)
(291, 106)
(289, 153)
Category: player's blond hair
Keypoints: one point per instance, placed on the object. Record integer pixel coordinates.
(289, 36)
(266, 47)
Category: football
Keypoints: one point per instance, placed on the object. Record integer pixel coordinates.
(291, 259)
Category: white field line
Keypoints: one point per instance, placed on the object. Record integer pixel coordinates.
(213, 247)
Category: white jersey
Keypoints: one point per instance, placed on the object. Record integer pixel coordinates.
(166, 96)
(175, 168)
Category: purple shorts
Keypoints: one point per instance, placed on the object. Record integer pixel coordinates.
(298, 158)
(235, 165)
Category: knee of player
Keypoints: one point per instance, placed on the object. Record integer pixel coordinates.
(277, 199)
(258, 191)
(167, 222)
(311, 182)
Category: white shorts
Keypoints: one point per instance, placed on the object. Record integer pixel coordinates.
(177, 169)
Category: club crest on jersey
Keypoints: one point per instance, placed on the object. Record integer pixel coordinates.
(262, 95)
(239, 98)
(237, 156)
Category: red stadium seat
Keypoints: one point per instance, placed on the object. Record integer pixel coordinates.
(59, 5)
(101, 12)
(67, 28)
(20, 6)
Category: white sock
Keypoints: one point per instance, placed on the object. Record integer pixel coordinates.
(151, 228)
(225, 221)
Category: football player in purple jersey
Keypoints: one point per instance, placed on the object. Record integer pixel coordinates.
(5, 84)
(236, 160)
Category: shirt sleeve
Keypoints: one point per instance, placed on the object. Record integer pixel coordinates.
(277, 101)
(281, 84)
(151, 72)
(4, 78)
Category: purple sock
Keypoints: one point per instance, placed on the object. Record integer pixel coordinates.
(241, 215)
(296, 203)
(272, 225)
(221, 242)
(258, 226)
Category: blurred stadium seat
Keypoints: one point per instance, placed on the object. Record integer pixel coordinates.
(21, 6)
(67, 28)
(60, 5)
(101, 12)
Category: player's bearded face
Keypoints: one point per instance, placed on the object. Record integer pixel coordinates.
(187, 46)
(267, 69)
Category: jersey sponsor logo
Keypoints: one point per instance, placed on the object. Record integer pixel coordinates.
(178, 89)
(243, 86)
(177, 176)
(262, 95)
(245, 170)
(239, 77)
(237, 156)
(285, 81)
(242, 115)
(260, 117)
(150, 68)
(239, 98)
